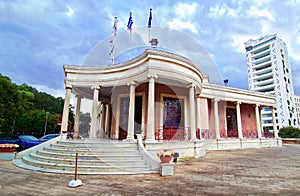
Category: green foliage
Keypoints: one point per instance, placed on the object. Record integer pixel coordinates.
(23, 109)
(289, 132)
(9, 103)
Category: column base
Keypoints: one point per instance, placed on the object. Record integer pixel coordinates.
(151, 141)
(195, 140)
(129, 140)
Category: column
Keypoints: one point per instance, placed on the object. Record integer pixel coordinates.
(239, 120)
(198, 122)
(107, 120)
(257, 117)
(65, 117)
(130, 131)
(93, 129)
(101, 120)
(150, 116)
(274, 123)
(216, 112)
(192, 111)
(77, 116)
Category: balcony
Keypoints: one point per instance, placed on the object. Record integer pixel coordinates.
(262, 52)
(262, 60)
(266, 88)
(263, 76)
(264, 70)
(262, 82)
(265, 64)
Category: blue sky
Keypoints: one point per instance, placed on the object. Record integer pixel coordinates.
(38, 37)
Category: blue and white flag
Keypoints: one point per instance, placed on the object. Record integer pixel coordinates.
(150, 18)
(130, 22)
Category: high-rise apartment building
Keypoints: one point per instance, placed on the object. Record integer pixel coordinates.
(269, 72)
(297, 103)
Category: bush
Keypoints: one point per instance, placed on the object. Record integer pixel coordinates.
(289, 132)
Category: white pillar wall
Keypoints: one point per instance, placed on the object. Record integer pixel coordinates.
(93, 129)
(130, 131)
(77, 116)
(239, 120)
(216, 114)
(274, 123)
(257, 117)
(65, 117)
(150, 116)
(198, 122)
(192, 111)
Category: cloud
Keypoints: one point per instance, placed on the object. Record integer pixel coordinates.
(223, 9)
(184, 17)
(185, 10)
(256, 12)
(70, 11)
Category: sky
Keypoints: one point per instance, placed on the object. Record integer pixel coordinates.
(38, 37)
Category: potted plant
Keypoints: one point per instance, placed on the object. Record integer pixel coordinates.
(165, 156)
(8, 147)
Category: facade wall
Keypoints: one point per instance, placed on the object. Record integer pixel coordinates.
(248, 117)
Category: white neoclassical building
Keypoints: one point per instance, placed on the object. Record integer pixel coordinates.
(156, 101)
(166, 98)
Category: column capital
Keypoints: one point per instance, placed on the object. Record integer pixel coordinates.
(198, 96)
(216, 99)
(191, 85)
(257, 105)
(133, 83)
(68, 84)
(238, 102)
(79, 96)
(152, 75)
(96, 87)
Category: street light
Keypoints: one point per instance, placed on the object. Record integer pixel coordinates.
(46, 123)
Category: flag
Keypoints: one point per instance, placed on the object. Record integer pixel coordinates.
(150, 18)
(130, 22)
(115, 26)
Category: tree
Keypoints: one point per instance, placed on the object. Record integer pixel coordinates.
(9, 104)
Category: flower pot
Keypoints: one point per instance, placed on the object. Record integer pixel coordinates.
(165, 159)
(8, 149)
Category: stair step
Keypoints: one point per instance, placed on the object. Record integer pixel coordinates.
(92, 150)
(93, 146)
(84, 168)
(94, 157)
(71, 161)
(91, 155)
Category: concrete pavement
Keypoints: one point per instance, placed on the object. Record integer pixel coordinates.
(266, 171)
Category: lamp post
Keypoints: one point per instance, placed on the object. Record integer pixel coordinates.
(45, 129)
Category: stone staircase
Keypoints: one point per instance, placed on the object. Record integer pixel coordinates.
(94, 157)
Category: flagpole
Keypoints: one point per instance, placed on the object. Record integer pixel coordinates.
(149, 24)
(149, 32)
(113, 42)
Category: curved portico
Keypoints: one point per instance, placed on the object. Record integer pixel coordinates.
(152, 76)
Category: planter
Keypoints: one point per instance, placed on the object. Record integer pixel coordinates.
(8, 149)
(165, 159)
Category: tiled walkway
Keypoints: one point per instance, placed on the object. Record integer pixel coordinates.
(267, 171)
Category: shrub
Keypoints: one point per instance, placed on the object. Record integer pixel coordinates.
(289, 132)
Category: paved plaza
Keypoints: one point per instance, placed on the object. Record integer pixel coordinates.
(267, 171)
